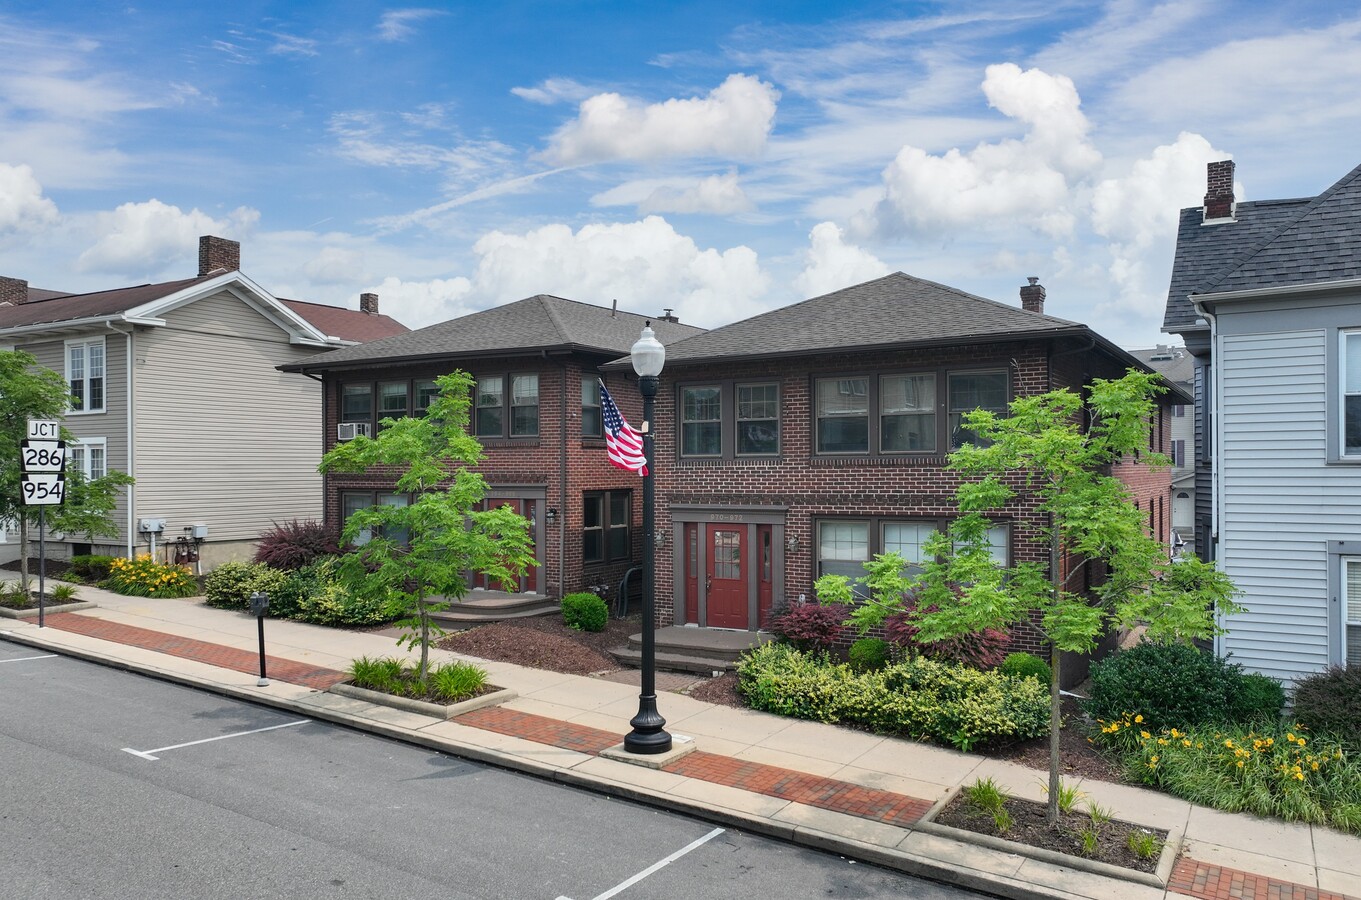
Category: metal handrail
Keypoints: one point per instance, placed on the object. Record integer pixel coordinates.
(621, 596)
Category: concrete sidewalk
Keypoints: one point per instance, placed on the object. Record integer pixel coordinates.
(852, 793)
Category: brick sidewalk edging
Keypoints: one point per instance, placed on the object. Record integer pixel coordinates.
(1202, 880)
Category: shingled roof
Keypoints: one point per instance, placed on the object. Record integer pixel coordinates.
(347, 324)
(44, 306)
(1273, 243)
(539, 323)
(895, 311)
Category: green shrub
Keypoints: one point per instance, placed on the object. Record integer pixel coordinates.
(447, 683)
(91, 568)
(1026, 665)
(230, 585)
(918, 698)
(1177, 685)
(1329, 703)
(314, 594)
(144, 577)
(1275, 771)
(868, 654)
(585, 612)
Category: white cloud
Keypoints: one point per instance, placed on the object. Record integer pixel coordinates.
(646, 265)
(1138, 212)
(400, 24)
(23, 208)
(1004, 184)
(292, 45)
(553, 90)
(735, 119)
(832, 264)
(419, 303)
(137, 238)
(335, 265)
(719, 195)
(365, 138)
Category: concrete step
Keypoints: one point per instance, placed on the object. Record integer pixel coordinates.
(481, 612)
(674, 662)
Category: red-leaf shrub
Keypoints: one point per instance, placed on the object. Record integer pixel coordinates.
(811, 626)
(981, 650)
(295, 544)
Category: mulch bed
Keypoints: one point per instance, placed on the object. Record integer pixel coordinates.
(544, 642)
(1029, 826)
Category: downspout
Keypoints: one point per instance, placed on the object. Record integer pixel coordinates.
(131, 441)
(1211, 411)
(562, 485)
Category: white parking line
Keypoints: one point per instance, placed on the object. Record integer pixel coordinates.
(27, 658)
(146, 754)
(655, 866)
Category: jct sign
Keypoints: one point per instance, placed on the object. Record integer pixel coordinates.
(43, 457)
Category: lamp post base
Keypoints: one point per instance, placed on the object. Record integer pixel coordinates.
(648, 734)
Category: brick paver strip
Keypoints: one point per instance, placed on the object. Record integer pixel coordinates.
(200, 651)
(1197, 879)
(758, 778)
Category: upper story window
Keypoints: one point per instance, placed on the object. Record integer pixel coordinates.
(592, 419)
(393, 397)
(605, 521)
(900, 412)
(85, 374)
(730, 419)
(492, 418)
(368, 403)
(1351, 393)
(426, 392)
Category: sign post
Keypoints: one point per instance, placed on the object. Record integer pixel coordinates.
(43, 456)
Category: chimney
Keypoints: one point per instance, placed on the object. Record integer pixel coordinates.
(368, 303)
(13, 291)
(1032, 295)
(667, 316)
(1219, 190)
(217, 253)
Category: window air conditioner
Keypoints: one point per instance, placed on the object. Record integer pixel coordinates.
(348, 431)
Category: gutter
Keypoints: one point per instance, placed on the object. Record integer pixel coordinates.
(1314, 287)
(1202, 306)
(128, 364)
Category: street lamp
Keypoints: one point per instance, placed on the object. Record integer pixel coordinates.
(648, 734)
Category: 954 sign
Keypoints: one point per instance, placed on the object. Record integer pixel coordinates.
(43, 461)
(43, 488)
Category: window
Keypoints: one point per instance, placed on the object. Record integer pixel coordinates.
(730, 419)
(974, 390)
(392, 399)
(89, 457)
(843, 412)
(356, 403)
(1351, 613)
(758, 419)
(907, 413)
(1351, 393)
(1179, 453)
(702, 421)
(592, 420)
(491, 419)
(845, 545)
(85, 375)
(1178, 410)
(352, 502)
(426, 392)
(606, 517)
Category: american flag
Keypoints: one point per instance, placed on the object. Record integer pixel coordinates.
(624, 445)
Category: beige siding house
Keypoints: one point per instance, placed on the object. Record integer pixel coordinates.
(177, 385)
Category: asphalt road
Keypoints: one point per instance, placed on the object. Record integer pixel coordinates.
(116, 785)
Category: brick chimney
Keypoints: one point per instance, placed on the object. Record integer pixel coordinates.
(13, 291)
(217, 253)
(667, 316)
(1219, 190)
(368, 303)
(1032, 295)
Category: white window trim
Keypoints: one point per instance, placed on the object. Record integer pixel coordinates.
(87, 444)
(1345, 621)
(66, 362)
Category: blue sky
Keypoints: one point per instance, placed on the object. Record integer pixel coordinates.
(717, 158)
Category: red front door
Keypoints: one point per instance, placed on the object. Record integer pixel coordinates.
(529, 581)
(726, 576)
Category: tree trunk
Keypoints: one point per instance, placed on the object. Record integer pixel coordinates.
(23, 550)
(425, 636)
(1055, 699)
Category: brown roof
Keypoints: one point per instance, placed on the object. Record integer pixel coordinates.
(346, 324)
(43, 308)
(539, 323)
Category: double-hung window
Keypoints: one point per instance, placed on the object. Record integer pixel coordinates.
(352, 502)
(426, 392)
(1351, 394)
(730, 419)
(702, 421)
(356, 404)
(89, 457)
(592, 418)
(974, 390)
(493, 420)
(1351, 612)
(85, 374)
(392, 399)
(605, 526)
(758, 419)
(845, 545)
(843, 415)
(907, 413)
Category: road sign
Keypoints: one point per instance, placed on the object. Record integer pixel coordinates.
(43, 429)
(43, 456)
(43, 488)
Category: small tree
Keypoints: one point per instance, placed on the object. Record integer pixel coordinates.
(1042, 448)
(425, 550)
(30, 392)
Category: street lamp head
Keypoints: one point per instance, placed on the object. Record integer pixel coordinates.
(648, 354)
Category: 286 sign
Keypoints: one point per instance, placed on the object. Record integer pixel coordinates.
(43, 456)
(43, 462)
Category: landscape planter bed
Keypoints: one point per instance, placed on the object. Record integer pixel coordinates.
(493, 696)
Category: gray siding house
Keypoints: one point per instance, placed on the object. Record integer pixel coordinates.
(177, 385)
(1269, 294)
